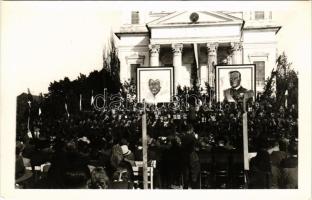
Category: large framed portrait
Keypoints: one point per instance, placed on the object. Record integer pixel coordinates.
(155, 84)
(232, 81)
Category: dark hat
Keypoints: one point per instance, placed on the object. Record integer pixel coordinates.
(19, 147)
(125, 150)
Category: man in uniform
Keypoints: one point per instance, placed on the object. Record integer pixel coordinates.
(236, 92)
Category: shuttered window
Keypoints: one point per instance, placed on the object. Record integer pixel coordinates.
(133, 68)
(259, 15)
(260, 72)
(135, 17)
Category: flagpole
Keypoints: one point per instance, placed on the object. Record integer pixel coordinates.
(29, 96)
(210, 97)
(80, 103)
(28, 128)
(66, 109)
(247, 95)
(197, 62)
(104, 99)
(144, 145)
(28, 120)
(286, 97)
(92, 98)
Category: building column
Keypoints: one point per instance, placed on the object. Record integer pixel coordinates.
(154, 54)
(212, 60)
(177, 62)
(236, 48)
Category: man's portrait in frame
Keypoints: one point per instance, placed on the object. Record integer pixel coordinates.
(155, 84)
(233, 81)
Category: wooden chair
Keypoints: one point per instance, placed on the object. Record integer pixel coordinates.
(44, 169)
(237, 179)
(206, 165)
(36, 172)
(138, 174)
(221, 169)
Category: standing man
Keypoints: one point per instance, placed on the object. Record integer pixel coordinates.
(190, 162)
(236, 92)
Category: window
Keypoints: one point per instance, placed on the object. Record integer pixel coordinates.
(133, 68)
(260, 72)
(259, 15)
(135, 17)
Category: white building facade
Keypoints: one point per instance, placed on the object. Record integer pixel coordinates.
(168, 39)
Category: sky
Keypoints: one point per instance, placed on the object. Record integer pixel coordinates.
(46, 41)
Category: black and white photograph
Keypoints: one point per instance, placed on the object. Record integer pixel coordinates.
(142, 100)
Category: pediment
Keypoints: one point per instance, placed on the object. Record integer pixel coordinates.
(204, 17)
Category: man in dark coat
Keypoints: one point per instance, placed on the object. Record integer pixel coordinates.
(190, 162)
(221, 158)
(276, 156)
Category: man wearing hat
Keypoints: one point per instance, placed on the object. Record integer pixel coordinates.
(127, 154)
(21, 174)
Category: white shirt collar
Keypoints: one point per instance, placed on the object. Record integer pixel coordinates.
(236, 88)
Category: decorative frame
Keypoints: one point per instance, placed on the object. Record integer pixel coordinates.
(151, 77)
(248, 78)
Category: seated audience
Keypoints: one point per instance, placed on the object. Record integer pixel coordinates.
(22, 176)
(289, 168)
(99, 179)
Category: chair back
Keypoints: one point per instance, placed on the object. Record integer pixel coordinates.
(138, 174)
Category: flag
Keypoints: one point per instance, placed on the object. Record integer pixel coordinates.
(105, 89)
(196, 63)
(196, 54)
(29, 134)
(286, 97)
(66, 109)
(210, 97)
(92, 98)
(186, 102)
(80, 102)
(104, 100)
(29, 100)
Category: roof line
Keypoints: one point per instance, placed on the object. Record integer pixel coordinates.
(118, 34)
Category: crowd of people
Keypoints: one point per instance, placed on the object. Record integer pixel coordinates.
(195, 143)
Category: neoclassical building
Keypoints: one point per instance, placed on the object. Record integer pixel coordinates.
(168, 39)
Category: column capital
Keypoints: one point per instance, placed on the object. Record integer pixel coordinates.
(212, 48)
(236, 46)
(177, 48)
(154, 48)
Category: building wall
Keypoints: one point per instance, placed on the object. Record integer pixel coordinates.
(132, 49)
(260, 46)
(258, 41)
(189, 35)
